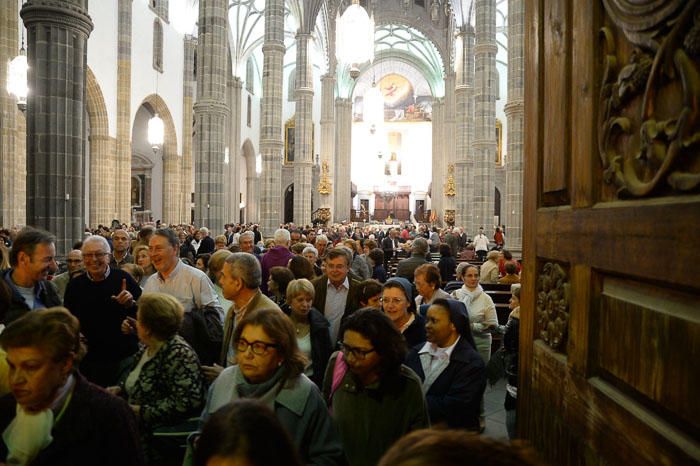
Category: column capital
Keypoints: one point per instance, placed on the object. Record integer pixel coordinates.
(514, 106)
(210, 106)
(485, 48)
(71, 15)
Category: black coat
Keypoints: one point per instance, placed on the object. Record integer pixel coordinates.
(207, 246)
(455, 396)
(96, 429)
(415, 333)
(18, 307)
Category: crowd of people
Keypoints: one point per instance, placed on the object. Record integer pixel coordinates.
(333, 344)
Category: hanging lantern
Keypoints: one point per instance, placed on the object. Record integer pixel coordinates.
(226, 159)
(354, 37)
(373, 112)
(156, 132)
(17, 78)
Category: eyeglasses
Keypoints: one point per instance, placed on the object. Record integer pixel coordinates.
(357, 353)
(259, 347)
(391, 300)
(96, 255)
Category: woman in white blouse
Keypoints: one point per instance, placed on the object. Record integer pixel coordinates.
(482, 311)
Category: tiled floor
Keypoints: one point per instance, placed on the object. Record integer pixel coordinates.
(495, 412)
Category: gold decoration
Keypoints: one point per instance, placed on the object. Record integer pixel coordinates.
(649, 117)
(324, 214)
(449, 217)
(324, 185)
(450, 185)
(553, 305)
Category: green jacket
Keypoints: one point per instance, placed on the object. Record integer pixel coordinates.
(371, 419)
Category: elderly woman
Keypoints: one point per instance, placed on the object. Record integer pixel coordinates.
(312, 329)
(58, 417)
(374, 398)
(489, 269)
(278, 282)
(482, 311)
(143, 260)
(270, 368)
(311, 254)
(397, 303)
(165, 385)
(427, 280)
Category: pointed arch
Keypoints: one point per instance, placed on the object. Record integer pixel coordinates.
(102, 160)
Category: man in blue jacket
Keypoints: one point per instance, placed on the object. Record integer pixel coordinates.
(453, 373)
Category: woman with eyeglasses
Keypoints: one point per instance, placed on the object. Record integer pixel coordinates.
(398, 304)
(374, 398)
(271, 369)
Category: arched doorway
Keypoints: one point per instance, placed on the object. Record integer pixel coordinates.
(289, 204)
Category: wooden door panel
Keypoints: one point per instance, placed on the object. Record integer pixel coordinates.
(611, 337)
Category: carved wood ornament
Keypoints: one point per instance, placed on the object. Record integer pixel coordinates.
(324, 185)
(649, 121)
(553, 306)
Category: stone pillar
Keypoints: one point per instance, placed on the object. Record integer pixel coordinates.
(484, 144)
(343, 188)
(188, 86)
(450, 143)
(171, 179)
(102, 181)
(438, 180)
(120, 203)
(464, 164)
(233, 189)
(303, 131)
(211, 112)
(514, 110)
(271, 142)
(328, 140)
(57, 56)
(13, 168)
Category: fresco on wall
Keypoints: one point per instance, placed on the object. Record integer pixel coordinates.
(400, 103)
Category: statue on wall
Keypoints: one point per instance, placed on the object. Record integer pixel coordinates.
(435, 12)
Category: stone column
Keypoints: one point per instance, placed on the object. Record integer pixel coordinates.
(120, 203)
(484, 144)
(211, 112)
(438, 180)
(328, 140)
(464, 164)
(271, 142)
(13, 168)
(303, 124)
(343, 203)
(171, 179)
(514, 110)
(57, 56)
(233, 188)
(188, 86)
(450, 143)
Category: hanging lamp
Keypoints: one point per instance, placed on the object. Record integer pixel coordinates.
(17, 77)
(354, 37)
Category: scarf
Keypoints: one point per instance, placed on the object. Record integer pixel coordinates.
(265, 392)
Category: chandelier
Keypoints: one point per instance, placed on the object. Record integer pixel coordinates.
(17, 77)
(354, 37)
(156, 132)
(373, 111)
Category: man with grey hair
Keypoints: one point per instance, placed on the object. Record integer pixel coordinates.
(101, 299)
(321, 244)
(207, 245)
(74, 261)
(278, 255)
(240, 281)
(246, 242)
(120, 249)
(406, 267)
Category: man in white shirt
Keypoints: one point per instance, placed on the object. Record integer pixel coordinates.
(187, 284)
(481, 244)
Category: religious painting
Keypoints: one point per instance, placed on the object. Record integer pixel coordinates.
(290, 141)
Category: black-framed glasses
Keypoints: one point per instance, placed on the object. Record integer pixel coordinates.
(357, 353)
(259, 347)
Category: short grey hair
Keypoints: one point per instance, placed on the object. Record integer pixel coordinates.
(98, 239)
(419, 246)
(310, 249)
(515, 290)
(246, 267)
(282, 236)
(321, 238)
(247, 234)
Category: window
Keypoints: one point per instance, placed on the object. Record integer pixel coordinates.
(249, 112)
(250, 75)
(157, 45)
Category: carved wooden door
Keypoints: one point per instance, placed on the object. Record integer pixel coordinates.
(610, 332)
